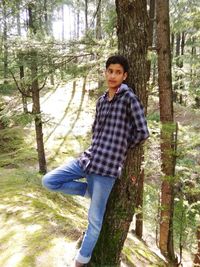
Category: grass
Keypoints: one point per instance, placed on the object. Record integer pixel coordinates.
(136, 253)
(31, 218)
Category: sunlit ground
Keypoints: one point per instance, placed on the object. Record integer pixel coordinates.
(36, 225)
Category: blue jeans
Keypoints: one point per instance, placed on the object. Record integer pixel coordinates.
(65, 180)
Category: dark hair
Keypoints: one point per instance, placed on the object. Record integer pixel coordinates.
(118, 59)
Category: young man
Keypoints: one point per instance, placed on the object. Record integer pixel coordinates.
(119, 124)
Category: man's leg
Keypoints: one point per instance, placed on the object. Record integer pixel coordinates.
(99, 187)
(62, 179)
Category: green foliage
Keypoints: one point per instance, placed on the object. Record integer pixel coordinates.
(14, 150)
(10, 139)
(186, 59)
(22, 119)
(155, 116)
(7, 89)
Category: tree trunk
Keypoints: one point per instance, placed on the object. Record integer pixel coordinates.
(167, 130)
(139, 203)
(150, 32)
(99, 37)
(5, 44)
(98, 20)
(78, 20)
(36, 95)
(21, 74)
(132, 43)
(37, 113)
(197, 255)
(18, 19)
(177, 55)
(172, 44)
(86, 16)
(46, 21)
(139, 206)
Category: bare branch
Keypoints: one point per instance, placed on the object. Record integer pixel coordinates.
(43, 84)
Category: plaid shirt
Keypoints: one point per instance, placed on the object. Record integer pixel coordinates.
(119, 124)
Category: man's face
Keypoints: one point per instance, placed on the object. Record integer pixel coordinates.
(115, 75)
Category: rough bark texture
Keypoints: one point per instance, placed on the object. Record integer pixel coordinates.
(197, 256)
(5, 40)
(86, 16)
(98, 20)
(36, 94)
(167, 130)
(37, 113)
(132, 43)
(139, 204)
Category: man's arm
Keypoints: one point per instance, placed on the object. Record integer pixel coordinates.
(140, 130)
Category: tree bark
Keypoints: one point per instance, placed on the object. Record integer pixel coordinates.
(197, 255)
(36, 95)
(37, 113)
(139, 203)
(167, 129)
(98, 20)
(177, 78)
(18, 18)
(21, 74)
(86, 16)
(78, 20)
(132, 43)
(5, 44)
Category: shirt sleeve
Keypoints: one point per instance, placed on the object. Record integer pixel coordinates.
(139, 130)
(96, 115)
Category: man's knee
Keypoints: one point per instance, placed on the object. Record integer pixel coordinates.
(95, 222)
(47, 182)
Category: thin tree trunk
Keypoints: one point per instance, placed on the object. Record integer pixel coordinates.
(177, 55)
(172, 44)
(99, 37)
(21, 74)
(48, 30)
(18, 19)
(167, 130)
(63, 39)
(139, 203)
(46, 21)
(86, 16)
(37, 113)
(78, 20)
(5, 42)
(197, 255)
(98, 20)
(132, 43)
(36, 95)
(21, 66)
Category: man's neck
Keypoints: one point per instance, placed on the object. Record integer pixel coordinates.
(111, 92)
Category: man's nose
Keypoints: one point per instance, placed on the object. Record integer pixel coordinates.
(113, 75)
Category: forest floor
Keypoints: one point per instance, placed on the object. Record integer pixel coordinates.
(41, 228)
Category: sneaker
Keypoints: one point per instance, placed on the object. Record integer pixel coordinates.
(78, 264)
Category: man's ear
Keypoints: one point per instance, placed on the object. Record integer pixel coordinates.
(125, 75)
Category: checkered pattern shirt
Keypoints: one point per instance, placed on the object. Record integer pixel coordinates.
(119, 124)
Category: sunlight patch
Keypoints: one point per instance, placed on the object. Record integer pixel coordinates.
(33, 228)
(14, 259)
(61, 254)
